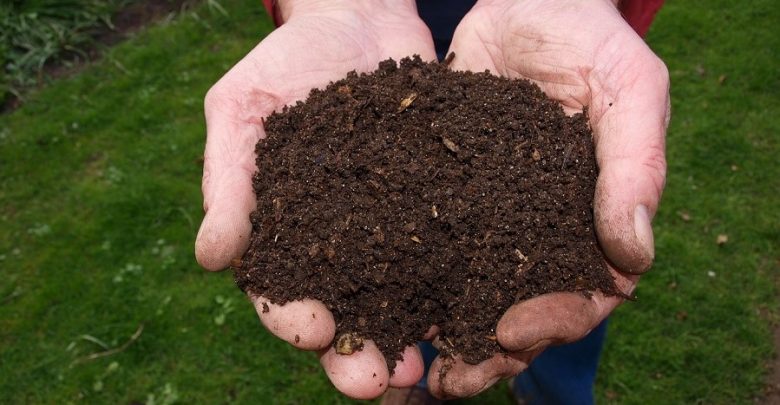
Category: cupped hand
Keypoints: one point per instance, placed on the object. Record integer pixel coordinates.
(320, 41)
(582, 54)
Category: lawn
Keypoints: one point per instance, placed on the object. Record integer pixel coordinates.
(100, 202)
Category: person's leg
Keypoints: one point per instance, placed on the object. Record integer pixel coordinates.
(442, 16)
(429, 353)
(560, 375)
(563, 374)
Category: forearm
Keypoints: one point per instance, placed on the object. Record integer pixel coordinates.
(552, 3)
(287, 9)
(639, 14)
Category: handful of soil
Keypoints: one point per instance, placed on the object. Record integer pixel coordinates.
(416, 196)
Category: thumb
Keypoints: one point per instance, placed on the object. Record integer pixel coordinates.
(227, 186)
(630, 142)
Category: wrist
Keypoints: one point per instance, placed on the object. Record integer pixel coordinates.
(613, 3)
(288, 9)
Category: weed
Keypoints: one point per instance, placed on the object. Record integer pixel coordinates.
(36, 32)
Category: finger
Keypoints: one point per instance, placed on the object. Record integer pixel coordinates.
(360, 375)
(227, 177)
(409, 370)
(467, 56)
(629, 120)
(431, 333)
(225, 230)
(305, 324)
(557, 318)
(453, 378)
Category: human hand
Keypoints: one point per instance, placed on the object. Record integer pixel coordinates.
(582, 54)
(320, 41)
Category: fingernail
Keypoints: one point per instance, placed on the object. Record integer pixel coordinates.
(644, 231)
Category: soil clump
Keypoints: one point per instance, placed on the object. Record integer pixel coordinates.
(416, 196)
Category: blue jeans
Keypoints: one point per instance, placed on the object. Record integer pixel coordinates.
(560, 375)
(442, 16)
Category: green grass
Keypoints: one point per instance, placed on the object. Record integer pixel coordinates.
(723, 171)
(34, 33)
(100, 202)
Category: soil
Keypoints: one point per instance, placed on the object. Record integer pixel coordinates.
(417, 196)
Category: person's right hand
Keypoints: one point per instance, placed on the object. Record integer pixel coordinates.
(320, 41)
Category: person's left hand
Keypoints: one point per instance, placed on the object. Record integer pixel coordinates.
(583, 54)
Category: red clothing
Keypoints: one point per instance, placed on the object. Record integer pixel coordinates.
(638, 14)
(269, 7)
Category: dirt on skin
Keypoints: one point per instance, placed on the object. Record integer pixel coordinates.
(417, 196)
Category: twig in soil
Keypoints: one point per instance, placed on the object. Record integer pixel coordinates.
(406, 102)
(566, 156)
(520, 255)
(449, 341)
(113, 351)
(448, 59)
(450, 145)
